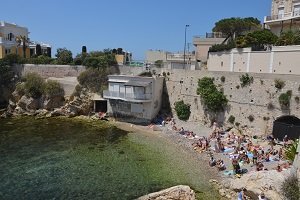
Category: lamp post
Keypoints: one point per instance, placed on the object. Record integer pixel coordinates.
(187, 25)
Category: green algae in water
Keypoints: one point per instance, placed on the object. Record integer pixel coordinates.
(61, 158)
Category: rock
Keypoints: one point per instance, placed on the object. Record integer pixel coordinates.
(29, 103)
(222, 192)
(54, 102)
(268, 182)
(180, 192)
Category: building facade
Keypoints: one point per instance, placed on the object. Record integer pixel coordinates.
(203, 43)
(134, 97)
(40, 48)
(9, 34)
(285, 15)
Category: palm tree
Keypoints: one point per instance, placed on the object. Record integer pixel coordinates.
(24, 41)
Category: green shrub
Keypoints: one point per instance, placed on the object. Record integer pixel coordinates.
(12, 58)
(222, 79)
(246, 80)
(213, 99)
(182, 110)
(231, 119)
(291, 151)
(54, 88)
(237, 124)
(34, 85)
(20, 88)
(237, 87)
(279, 84)
(251, 118)
(93, 79)
(284, 100)
(221, 47)
(290, 188)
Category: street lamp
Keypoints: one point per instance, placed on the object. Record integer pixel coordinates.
(187, 25)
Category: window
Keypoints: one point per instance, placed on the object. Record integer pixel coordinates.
(280, 12)
(7, 51)
(297, 10)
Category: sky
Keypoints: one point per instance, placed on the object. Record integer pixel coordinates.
(134, 25)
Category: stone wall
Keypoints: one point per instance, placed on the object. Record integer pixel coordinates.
(243, 102)
(46, 71)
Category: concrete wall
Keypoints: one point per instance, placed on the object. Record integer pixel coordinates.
(152, 56)
(243, 102)
(157, 96)
(46, 71)
(280, 60)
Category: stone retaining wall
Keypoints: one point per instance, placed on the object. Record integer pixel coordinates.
(243, 102)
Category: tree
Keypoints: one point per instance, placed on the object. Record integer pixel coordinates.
(289, 38)
(233, 27)
(38, 50)
(24, 41)
(93, 79)
(64, 56)
(83, 49)
(257, 39)
(54, 89)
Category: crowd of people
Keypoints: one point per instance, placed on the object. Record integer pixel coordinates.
(240, 150)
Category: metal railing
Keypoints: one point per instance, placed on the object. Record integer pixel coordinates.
(126, 96)
(288, 15)
(212, 35)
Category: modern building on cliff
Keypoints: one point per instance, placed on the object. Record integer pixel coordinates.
(134, 97)
(14, 37)
(285, 15)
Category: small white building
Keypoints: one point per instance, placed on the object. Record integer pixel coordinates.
(134, 97)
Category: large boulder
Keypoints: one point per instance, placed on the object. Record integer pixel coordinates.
(54, 102)
(180, 192)
(29, 103)
(268, 182)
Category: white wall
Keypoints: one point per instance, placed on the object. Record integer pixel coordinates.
(280, 60)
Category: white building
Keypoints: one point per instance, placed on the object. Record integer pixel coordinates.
(45, 49)
(9, 32)
(135, 97)
(285, 15)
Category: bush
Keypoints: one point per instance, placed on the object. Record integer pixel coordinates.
(182, 110)
(20, 88)
(34, 85)
(54, 88)
(246, 80)
(291, 151)
(297, 99)
(279, 84)
(12, 59)
(222, 79)
(93, 79)
(221, 47)
(237, 87)
(213, 99)
(251, 118)
(284, 100)
(290, 188)
(231, 119)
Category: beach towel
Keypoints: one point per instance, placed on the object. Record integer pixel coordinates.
(228, 149)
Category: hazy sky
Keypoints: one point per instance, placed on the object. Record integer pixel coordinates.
(134, 25)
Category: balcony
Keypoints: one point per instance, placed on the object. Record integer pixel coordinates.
(282, 17)
(133, 97)
(180, 57)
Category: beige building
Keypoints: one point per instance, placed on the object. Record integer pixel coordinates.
(9, 33)
(203, 43)
(285, 15)
(134, 97)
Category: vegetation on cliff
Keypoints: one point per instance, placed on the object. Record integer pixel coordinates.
(182, 110)
(212, 98)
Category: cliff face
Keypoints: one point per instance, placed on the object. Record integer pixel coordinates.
(260, 99)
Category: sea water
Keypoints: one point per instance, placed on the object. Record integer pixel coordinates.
(61, 158)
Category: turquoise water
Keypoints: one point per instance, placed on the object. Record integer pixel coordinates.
(61, 158)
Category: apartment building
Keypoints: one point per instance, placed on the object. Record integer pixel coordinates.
(285, 15)
(8, 35)
(134, 97)
(203, 43)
